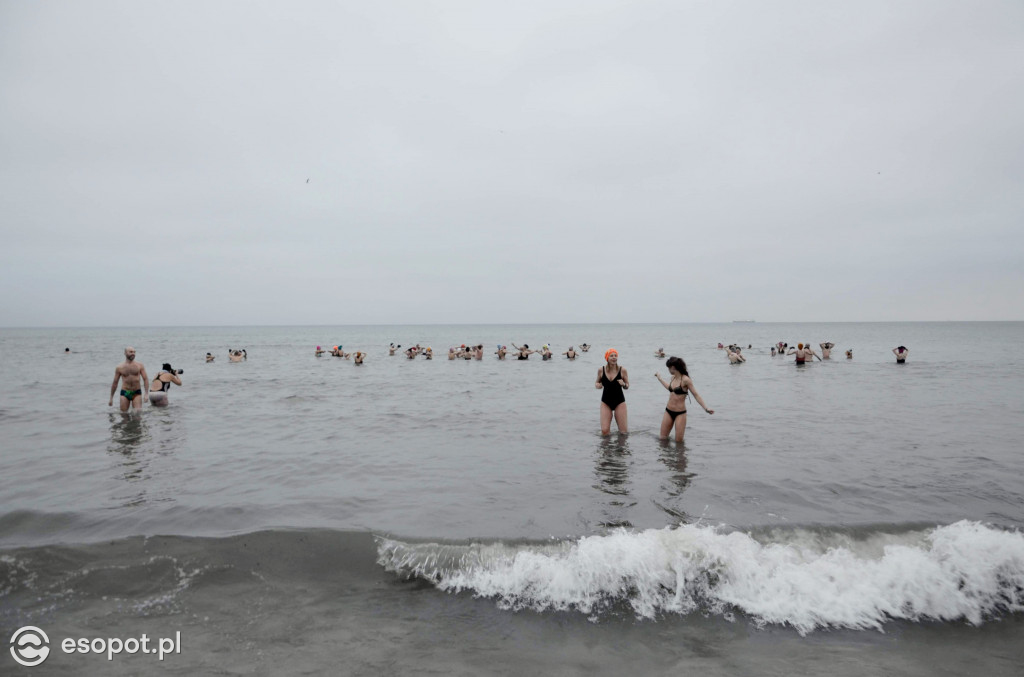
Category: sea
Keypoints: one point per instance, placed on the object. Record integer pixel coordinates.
(301, 515)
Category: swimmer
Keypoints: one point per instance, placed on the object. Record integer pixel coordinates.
(545, 353)
(162, 384)
(236, 355)
(67, 350)
(660, 352)
(613, 379)
(802, 353)
(773, 351)
(524, 352)
(570, 354)
(478, 352)
(358, 357)
(428, 353)
(585, 347)
(451, 353)
(319, 351)
(209, 357)
(501, 352)
(679, 385)
(129, 372)
(735, 357)
(901, 354)
(826, 350)
(392, 348)
(849, 354)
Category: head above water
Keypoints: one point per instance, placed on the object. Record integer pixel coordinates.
(800, 346)
(608, 355)
(677, 364)
(129, 353)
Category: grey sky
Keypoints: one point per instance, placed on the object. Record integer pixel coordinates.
(510, 162)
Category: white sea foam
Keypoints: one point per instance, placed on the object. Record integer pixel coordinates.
(802, 578)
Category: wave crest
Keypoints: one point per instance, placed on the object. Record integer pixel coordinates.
(802, 578)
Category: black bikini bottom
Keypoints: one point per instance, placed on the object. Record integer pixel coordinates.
(673, 414)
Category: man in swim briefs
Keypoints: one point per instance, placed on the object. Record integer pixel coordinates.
(129, 373)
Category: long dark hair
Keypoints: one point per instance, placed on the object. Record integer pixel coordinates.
(678, 364)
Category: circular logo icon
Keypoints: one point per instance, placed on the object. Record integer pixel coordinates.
(29, 646)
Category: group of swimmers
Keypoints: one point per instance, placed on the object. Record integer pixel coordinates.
(612, 378)
(463, 352)
(802, 353)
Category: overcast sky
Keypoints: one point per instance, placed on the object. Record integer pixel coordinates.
(519, 162)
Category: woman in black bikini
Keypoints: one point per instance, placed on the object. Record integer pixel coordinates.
(613, 379)
(678, 386)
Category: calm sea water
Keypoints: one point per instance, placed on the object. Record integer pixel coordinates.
(293, 513)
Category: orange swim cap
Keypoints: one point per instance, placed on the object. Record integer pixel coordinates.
(609, 352)
(800, 345)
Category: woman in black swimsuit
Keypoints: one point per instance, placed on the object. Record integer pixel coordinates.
(679, 385)
(613, 379)
(161, 384)
(524, 352)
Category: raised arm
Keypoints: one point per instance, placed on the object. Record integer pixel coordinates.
(662, 381)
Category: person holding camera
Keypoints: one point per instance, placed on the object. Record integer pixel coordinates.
(162, 384)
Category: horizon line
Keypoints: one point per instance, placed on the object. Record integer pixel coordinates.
(497, 324)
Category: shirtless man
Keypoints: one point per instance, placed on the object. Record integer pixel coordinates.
(802, 353)
(826, 349)
(735, 357)
(901, 354)
(129, 373)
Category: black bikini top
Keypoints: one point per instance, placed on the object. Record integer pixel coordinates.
(678, 390)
